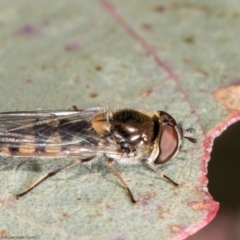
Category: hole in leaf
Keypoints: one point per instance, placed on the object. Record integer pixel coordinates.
(224, 168)
(224, 186)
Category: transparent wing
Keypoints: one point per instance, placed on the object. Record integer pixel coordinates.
(52, 134)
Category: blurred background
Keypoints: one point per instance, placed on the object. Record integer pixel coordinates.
(224, 181)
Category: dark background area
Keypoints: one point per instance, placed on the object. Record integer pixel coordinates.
(224, 186)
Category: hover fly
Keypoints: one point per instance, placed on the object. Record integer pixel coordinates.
(126, 136)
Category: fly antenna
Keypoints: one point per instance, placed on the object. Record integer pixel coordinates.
(190, 139)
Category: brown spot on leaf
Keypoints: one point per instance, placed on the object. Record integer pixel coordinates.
(189, 39)
(176, 228)
(229, 97)
(28, 30)
(224, 77)
(186, 61)
(98, 68)
(147, 26)
(205, 73)
(160, 9)
(72, 46)
(64, 215)
(200, 205)
(43, 67)
(29, 80)
(93, 95)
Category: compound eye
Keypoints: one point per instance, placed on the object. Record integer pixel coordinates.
(166, 118)
(168, 144)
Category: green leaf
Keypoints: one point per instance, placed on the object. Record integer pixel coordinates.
(170, 56)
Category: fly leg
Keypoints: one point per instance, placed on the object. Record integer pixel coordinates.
(110, 165)
(160, 172)
(50, 174)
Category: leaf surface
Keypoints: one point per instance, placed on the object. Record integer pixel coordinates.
(154, 55)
